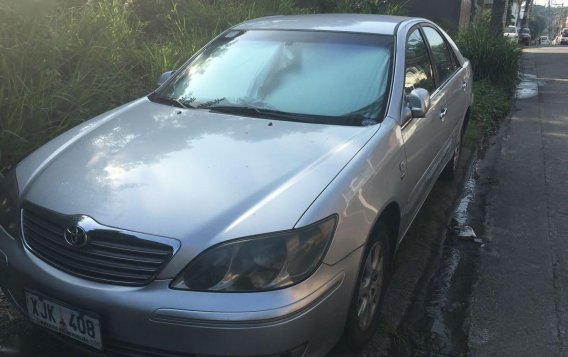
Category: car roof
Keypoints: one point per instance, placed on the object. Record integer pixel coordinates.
(376, 24)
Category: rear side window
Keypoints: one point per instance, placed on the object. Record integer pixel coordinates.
(442, 57)
(418, 68)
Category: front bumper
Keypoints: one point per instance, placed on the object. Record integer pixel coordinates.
(157, 318)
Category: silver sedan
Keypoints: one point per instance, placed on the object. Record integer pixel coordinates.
(252, 204)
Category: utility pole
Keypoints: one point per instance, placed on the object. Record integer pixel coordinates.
(549, 21)
(498, 12)
(556, 18)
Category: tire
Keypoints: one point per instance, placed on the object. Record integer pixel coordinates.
(362, 318)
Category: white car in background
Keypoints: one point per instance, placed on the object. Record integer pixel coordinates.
(544, 41)
(512, 33)
(563, 38)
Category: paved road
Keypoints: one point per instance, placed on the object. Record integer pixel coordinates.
(520, 302)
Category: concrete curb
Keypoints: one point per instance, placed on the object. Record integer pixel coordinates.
(528, 86)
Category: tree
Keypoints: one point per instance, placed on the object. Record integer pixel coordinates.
(537, 25)
(524, 20)
(497, 14)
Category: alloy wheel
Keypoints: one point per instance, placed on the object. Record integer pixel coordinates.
(370, 286)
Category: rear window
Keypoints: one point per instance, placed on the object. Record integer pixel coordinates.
(565, 32)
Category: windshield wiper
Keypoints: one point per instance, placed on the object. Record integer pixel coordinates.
(256, 112)
(171, 101)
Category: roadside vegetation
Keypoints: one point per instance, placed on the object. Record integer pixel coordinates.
(495, 61)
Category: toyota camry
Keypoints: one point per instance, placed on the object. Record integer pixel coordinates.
(252, 204)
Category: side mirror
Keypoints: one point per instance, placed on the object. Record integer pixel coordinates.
(164, 77)
(419, 102)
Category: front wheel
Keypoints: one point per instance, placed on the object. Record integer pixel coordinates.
(362, 319)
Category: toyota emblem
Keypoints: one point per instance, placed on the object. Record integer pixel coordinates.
(76, 236)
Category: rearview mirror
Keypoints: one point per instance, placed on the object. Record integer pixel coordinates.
(419, 102)
(164, 77)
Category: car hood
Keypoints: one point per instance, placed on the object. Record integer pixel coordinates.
(188, 174)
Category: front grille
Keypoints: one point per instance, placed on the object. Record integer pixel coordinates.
(110, 256)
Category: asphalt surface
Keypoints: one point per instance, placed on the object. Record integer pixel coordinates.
(520, 300)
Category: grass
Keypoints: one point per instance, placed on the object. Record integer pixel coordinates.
(492, 104)
(492, 56)
(495, 62)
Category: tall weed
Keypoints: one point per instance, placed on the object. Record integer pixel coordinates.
(386, 7)
(60, 66)
(493, 57)
(492, 103)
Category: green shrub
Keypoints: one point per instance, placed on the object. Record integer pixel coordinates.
(492, 103)
(492, 56)
(60, 66)
(386, 7)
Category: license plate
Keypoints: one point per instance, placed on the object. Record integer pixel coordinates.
(67, 321)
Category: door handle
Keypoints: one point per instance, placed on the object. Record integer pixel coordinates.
(464, 85)
(443, 113)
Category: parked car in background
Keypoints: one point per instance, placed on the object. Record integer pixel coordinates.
(525, 36)
(564, 37)
(251, 205)
(544, 41)
(512, 33)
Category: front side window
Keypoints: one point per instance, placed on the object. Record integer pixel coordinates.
(441, 55)
(322, 77)
(418, 68)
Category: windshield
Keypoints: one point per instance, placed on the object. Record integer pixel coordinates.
(332, 78)
(511, 29)
(565, 32)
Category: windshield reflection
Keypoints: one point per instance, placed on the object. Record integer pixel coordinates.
(327, 75)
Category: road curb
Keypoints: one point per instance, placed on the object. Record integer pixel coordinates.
(528, 85)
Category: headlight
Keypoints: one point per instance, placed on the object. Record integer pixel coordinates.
(259, 263)
(9, 204)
